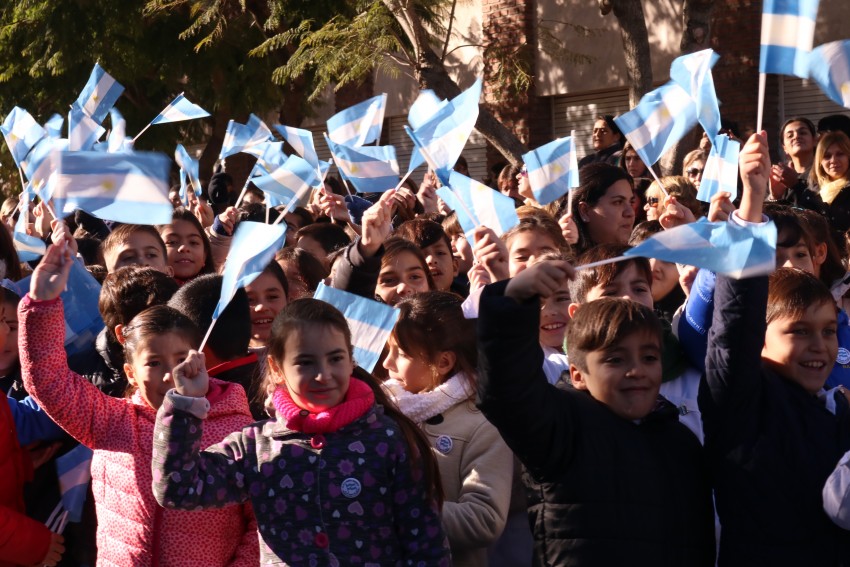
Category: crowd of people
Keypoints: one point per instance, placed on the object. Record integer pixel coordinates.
(524, 411)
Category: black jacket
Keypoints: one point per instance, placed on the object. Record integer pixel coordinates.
(103, 365)
(771, 444)
(602, 490)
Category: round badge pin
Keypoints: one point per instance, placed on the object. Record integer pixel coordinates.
(350, 488)
(843, 356)
(444, 444)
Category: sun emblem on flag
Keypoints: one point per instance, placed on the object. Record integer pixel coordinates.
(94, 97)
(13, 138)
(354, 169)
(557, 169)
(665, 114)
(108, 185)
(845, 92)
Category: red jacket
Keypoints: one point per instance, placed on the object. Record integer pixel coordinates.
(133, 530)
(23, 541)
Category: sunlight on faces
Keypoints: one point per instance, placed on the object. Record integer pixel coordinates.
(654, 206)
(266, 299)
(602, 136)
(462, 251)
(152, 364)
(634, 165)
(694, 172)
(630, 283)
(625, 377)
(441, 263)
(185, 248)
(797, 139)
(525, 247)
(403, 276)
(554, 317)
(665, 278)
(803, 349)
(316, 367)
(297, 286)
(9, 348)
(796, 256)
(835, 162)
(140, 249)
(611, 219)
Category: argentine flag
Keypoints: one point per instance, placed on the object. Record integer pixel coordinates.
(240, 137)
(360, 124)
(659, 120)
(426, 105)
(301, 141)
(21, 132)
(270, 157)
(54, 126)
(371, 169)
(478, 205)
(41, 163)
(74, 472)
(99, 94)
(693, 73)
(188, 165)
(292, 180)
(83, 130)
(180, 109)
(721, 169)
(552, 169)
(123, 187)
(829, 67)
(787, 36)
(722, 247)
(29, 247)
(253, 247)
(370, 322)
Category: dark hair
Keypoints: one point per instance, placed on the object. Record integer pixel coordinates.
(433, 322)
(601, 324)
(303, 214)
(311, 271)
(121, 234)
(809, 124)
(532, 219)
(603, 275)
(253, 212)
(274, 269)
(794, 225)
(128, 291)
(184, 214)
(156, 321)
(303, 312)
(596, 179)
(9, 254)
(644, 230)
(423, 233)
(609, 120)
(832, 268)
(835, 122)
(628, 147)
(329, 235)
(792, 291)
(89, 248)
(451, 226)
(395, 246)
(197, 300)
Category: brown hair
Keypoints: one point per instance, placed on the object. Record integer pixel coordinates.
(601, 324)
(128, 291)
(311, 271)
(395, 246)
(596, 179)
(329, 235)
(691, 157)
(683, 189)
(452, 226)
(603, 275)
(423, 233)
(791, 292)
(10, 255)
(184, 214)
(433, 322)
(303, 312)
(532, 219)
(832, 268)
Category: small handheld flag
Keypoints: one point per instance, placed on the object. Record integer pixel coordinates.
(721, 169)
(426, 105)
(371, 169)
(371, 323)
(74, 472)
(29, 247)
(829, 67)
(186, 163)
(240, 137)
(693, 73)
(787, 36)
(99, 94)
(488, 207)
(83, 130)
(552, 169)
(54, 126)
(360, 124)
(178, 110)
(301, 141)
(292, 180)
(21, 132)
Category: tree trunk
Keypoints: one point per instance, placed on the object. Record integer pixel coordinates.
(630, 17)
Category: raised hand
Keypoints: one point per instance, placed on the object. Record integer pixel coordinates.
(542, 279)
(51, 274)
(491, 252)
(61, 233)
(228, 219)
(190, 376)
(675, 214)
(377, 224)
(721, 207)
(427, 194)
(754, 167)
(333, 206)
(568, 228)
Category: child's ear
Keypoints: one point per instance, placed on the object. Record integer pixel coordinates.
(169, 271)
(819, 256)
(582, 211)
(130, 373)
(119, 334)
(455, 266)
(445, 362)
(275, 369)
(577, 378)
(571, 310)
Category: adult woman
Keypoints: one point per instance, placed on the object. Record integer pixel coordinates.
(831, 174)
(603, 206)
(693, 166)
(641, 176)
(676, 186)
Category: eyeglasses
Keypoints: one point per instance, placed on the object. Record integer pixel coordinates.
(693, 171)
(523, 172)
(653, 201)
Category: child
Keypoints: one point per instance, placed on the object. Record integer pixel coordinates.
(187, 246)
(537, 233)
(339, 478)
(667, 295)
(303, 272)
(436, 247)
(613, 478)
(132, 529)
(769, 432)
(432, 379)
(134, 244)
(322, 238)
(267, 295)
(554, 318)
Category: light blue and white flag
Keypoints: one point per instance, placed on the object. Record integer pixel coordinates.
(240, 137)
(301, 141)
(426, 105)
(270, 156)
(692, 72)
(178, 110)
(552, 169)
(292, 180)
(478, 205)
(253, 247)
(29, 247)
(184, 188)
(99, 94)
(360, 124)
(83, 130)
(123, 187)
(54, 125)
(41, 164)
(829, 67)
(787, 36)
(370, 322)
(371, 169)
(659, 120)
(74, 472)
(117, 140)
(21, 132)
(444, 135)
(190, 165)
(721, 169)
(722, 247)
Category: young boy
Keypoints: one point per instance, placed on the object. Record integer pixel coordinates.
(613, 478)
(771, 434)
(135, 244)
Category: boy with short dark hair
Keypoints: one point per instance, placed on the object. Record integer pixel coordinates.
(135, 244)
(772, 434)
(613, 478)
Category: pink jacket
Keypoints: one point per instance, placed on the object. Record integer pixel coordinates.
(132, 528)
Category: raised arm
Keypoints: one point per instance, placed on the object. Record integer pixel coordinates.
(31, 423)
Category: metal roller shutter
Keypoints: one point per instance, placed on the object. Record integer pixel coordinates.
(804, 98)
(577, 111)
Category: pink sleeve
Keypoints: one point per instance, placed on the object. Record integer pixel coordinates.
(248, 552)
(87, 414)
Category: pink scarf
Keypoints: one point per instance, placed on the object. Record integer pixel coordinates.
(356, 403)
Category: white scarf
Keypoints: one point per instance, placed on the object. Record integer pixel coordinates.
(425, 405)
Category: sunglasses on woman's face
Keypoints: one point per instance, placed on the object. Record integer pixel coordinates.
(694, 171)
(653, 201)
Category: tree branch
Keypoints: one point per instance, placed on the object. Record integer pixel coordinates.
(449, 32)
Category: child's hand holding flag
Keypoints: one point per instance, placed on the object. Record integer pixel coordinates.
(190, 376)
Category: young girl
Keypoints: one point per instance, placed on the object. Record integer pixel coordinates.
(432, 378)
(267, 295)
(187, 246)
(339, 478)
(132, 529)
